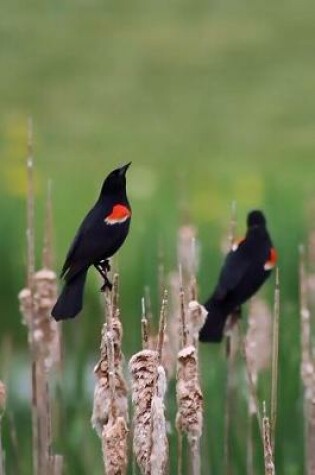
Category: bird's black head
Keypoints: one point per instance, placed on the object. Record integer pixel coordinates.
(115, 182)
(255, 218)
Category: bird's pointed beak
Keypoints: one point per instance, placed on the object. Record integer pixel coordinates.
(122, 170)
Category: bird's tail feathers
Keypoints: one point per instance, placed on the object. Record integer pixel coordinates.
(213, 329)
(70, 301)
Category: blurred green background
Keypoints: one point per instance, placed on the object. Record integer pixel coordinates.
(212, 102)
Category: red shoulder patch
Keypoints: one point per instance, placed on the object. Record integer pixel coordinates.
(273, 257)
(119, 214)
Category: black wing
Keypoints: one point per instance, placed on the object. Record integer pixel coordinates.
(84, 226)
(234, 269)
(95, 240)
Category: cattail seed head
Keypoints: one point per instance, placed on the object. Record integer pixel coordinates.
(143, 367)
(189, 395)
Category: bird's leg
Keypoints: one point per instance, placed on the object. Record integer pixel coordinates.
(233, 318)
(103, 271)
(105, 265)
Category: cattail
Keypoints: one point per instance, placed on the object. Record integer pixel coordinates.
(111, 339)
(190, 403)
(189, 395)
(187, 251)
(174, 323)
(168, 358)
(36, 302)
(46, 332)
(102, 393)
(275, 360)
(268, 456)
(110, 409)
(258, 341)
(143, 368)
(159, 444)
(258, 356)
(196, 318)
(307, 368)
(26, 306)
(114, 445)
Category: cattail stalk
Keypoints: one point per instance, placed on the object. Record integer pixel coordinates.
(268, 453)
(231, 344)
(30, 238)
(258, 352)
(183, 310)
(252, 386)
(3, 397)
(307, 370)
(36, 302)
(275, 354)
(144, 325)
(162, 324)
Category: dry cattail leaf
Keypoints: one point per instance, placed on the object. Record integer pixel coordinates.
(189, 395)
(143, 368)
(159, 447)
(115, 447)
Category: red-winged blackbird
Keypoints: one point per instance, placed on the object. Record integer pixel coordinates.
(102, 232)
(245, 269)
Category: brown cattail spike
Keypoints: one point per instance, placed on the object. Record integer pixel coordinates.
(110, 410)
(159, 444)
(189, 395)
(143, 368)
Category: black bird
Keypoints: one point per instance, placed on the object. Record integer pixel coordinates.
(100, 235)
(246, 267)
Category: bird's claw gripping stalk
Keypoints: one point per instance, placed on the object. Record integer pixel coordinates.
(105, 265)
(103, 268)
(107, 285)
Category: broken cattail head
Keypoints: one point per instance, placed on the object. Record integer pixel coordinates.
(26, 306)
(196, 318)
